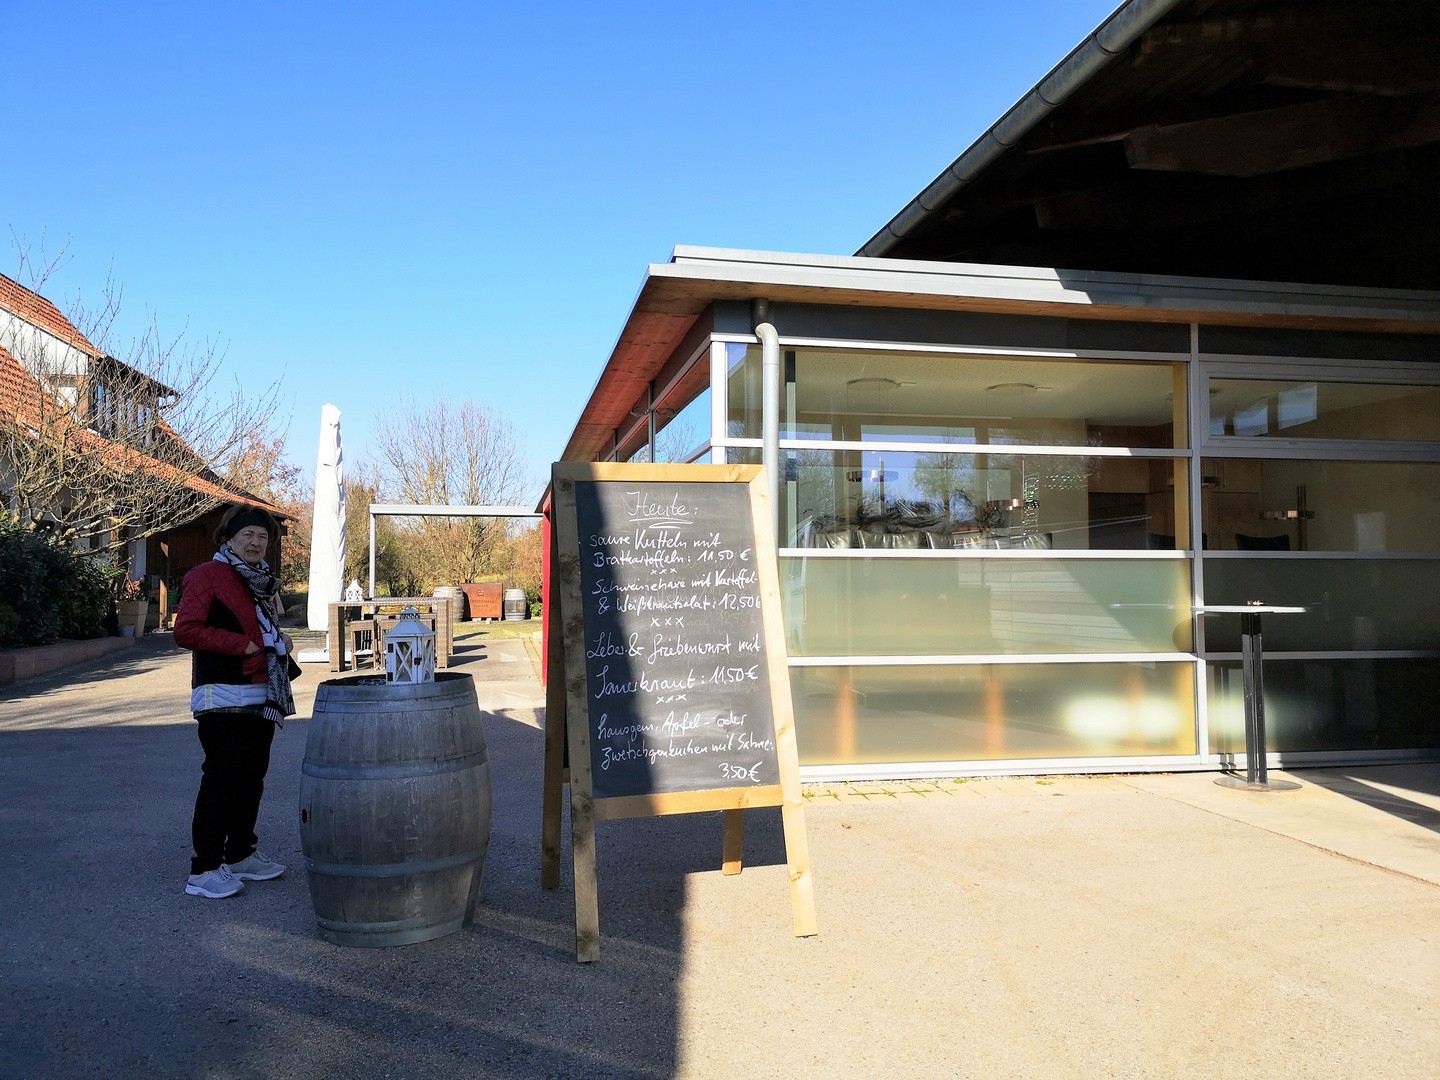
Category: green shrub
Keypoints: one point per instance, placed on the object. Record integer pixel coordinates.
(49, 588)
(84, 604)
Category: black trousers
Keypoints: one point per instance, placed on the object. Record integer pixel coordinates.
(237, 756)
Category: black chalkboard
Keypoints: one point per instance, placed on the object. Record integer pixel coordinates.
(677, 683)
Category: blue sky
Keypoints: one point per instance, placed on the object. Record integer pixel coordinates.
(460, 200)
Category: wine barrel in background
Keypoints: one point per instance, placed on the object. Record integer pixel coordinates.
(516, 606)
(457, 602)
(395, 804)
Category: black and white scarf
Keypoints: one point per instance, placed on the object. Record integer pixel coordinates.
(264, 587)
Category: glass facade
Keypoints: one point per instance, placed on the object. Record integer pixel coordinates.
(996, 557)
(1285, 504)
(1354, 604)
(1331, 704)
(873, 396)
(943, 501)
(968, 712)
(899, 606)
(1295, 409)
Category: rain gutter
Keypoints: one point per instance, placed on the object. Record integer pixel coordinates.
(1108, 40)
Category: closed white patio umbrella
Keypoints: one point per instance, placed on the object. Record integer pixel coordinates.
(327, 535)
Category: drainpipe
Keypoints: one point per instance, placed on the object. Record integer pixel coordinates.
(769, 405)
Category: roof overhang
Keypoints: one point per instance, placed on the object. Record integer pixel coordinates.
(673, 296)
(1232, 138)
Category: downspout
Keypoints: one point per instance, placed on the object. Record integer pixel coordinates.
(769, 406)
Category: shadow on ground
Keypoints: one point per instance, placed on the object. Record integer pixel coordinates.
(1421, 779)
(121, 974)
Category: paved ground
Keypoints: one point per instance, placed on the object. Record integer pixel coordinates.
(1136, 927)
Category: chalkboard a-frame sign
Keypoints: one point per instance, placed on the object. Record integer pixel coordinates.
(668, 687)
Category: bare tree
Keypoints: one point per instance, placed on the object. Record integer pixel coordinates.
(451, 453)
(675, 440)
(103, 449)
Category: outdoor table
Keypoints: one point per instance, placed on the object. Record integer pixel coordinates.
(440, 606)
(1257, 774)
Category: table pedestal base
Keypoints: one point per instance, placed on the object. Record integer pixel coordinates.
(1235, 780)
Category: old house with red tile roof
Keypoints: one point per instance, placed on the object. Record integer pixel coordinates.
(70, 410)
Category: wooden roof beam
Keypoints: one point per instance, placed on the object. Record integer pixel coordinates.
(1292, 137)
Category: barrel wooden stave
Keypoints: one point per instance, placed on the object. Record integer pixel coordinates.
(395, 809)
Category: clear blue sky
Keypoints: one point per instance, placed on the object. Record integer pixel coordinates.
(460, 199)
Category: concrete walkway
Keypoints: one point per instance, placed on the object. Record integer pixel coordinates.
(1069, 927)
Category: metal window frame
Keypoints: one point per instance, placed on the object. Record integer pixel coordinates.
(1200, 368)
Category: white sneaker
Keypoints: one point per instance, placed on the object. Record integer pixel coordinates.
(255, 867)
(216, 884)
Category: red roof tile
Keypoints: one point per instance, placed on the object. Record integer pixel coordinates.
(25, 397)
(34, 308)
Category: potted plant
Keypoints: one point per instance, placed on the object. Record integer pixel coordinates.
(131, 607)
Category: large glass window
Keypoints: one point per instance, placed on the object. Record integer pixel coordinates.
(898, 606)
(852, 715)
(936, 501)
(1292, 505)
(681, 432)
(1298, 409)
(1354, 604)
(868, 396)
(1331, 704)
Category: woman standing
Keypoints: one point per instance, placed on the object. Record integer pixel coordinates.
(240, 679)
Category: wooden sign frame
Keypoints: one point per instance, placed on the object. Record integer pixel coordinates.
(567, 722)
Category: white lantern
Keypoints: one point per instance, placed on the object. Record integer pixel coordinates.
(409, 650)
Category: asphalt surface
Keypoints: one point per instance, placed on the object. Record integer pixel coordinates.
(1079, 929)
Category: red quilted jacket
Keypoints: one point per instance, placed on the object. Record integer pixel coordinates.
(215, 620)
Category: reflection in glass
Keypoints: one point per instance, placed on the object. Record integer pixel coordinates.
(1330, 704)
(906, 500)
(680, 432)
(1355, 605)
(926, 397)
(1323, 410)
(892, 607)
(1280, 504)
(849, 715)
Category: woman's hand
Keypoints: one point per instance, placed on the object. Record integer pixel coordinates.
(289, 643)
(251, 648)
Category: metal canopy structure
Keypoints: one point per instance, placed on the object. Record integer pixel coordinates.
(432, 510)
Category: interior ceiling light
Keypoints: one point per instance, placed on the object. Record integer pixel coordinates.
(876, 381)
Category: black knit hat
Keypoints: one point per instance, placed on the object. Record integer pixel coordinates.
(241, 515)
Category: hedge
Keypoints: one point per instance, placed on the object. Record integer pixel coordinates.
(48, 589)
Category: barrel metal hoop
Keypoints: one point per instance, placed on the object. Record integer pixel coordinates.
(399, 771)
(429, 866)
(420, 922)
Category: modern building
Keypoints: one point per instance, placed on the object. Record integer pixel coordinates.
(1004, 490)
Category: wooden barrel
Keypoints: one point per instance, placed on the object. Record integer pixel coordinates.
(516, 606)
(395, 805)
(457, 601)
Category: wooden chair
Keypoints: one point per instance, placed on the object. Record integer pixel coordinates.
(362, 639)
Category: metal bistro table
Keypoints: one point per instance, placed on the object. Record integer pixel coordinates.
(440, 606)
(1257, 773)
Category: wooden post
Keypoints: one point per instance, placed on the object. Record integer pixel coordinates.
(553, 787)
(582, 803)
(792, 800)
(337, 637)
(734, 841)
